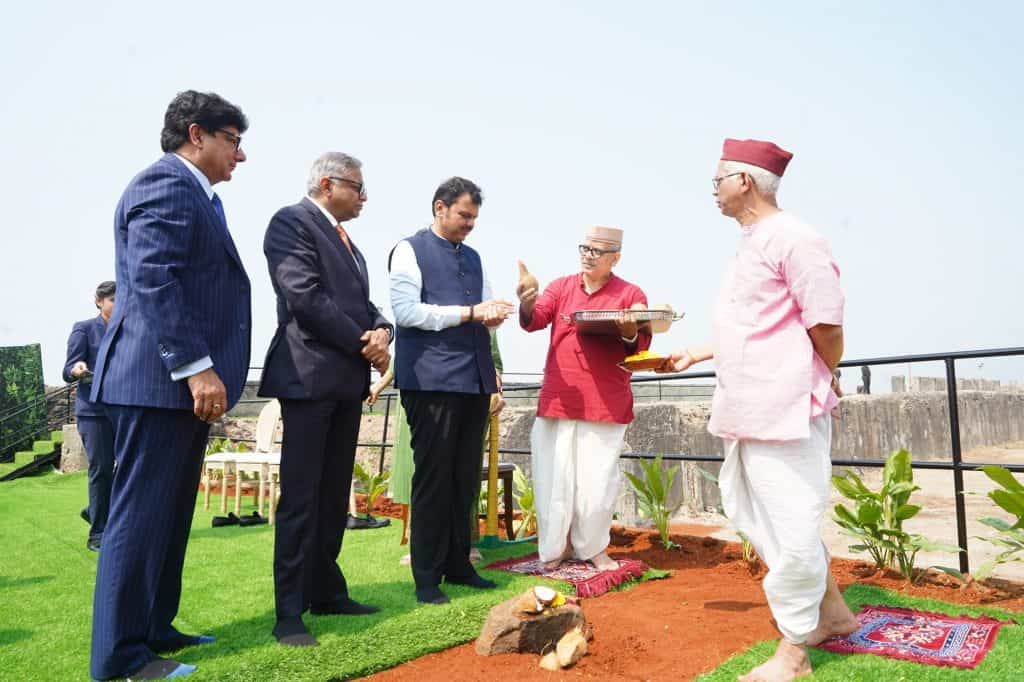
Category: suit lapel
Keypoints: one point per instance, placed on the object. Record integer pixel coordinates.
(211, 213)
(320, 220)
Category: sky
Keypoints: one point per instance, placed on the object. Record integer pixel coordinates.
(903, 118)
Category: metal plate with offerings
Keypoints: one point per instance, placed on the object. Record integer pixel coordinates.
(602, 322)
(645, 360)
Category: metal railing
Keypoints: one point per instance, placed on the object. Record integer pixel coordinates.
(58, 409)
(955, 465)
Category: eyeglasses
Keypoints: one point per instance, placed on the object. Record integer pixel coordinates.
(718, 181)
(357, 186)
(232, 138)
(596, 253)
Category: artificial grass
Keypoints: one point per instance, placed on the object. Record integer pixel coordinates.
(39, 447)
(1002, 660)
(47, 577)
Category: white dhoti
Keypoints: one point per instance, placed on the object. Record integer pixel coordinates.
(776, 493)
(575, 484)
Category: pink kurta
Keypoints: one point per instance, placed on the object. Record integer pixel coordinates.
(771, 383)
(581, 376)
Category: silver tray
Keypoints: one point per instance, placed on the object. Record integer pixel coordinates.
(603, 321)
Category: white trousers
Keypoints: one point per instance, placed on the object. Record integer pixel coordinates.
(776, 493)
(575, 484)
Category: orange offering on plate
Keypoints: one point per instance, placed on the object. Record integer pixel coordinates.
(644, 360)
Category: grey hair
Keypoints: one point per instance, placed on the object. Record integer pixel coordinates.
(329, 164)
(767, 183)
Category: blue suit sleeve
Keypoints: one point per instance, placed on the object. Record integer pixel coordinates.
(160, 230)
(293, 262)
(78, 350)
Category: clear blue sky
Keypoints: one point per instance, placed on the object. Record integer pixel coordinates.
(903, 118)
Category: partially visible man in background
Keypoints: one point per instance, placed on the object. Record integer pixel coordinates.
(93, 426)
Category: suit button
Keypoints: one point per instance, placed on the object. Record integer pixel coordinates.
(242, 326)
(467, 292)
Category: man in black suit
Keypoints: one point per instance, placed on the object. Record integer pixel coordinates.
(318, 366)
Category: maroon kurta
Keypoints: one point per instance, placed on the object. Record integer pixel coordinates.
(582, 379)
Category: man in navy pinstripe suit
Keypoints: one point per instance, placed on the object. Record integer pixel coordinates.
(173, 360)
(93, 426)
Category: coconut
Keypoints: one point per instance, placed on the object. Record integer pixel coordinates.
(545, 595)
(549, 661)
(571, 648)
(526, 279)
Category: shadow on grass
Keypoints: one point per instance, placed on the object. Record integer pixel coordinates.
(8, 637)
(8, 583)
(395, 600)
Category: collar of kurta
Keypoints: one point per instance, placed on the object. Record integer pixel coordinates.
(583, 285)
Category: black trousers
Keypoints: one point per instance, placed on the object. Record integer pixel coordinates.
(447, 432)
(98, 437)
(317, 454)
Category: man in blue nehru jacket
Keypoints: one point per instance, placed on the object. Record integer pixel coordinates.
(443, 308)
(173, 361)
(93, 426)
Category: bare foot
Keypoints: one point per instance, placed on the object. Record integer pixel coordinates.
(834, 616)
(555, 563)
(789, 662)
(603, 562)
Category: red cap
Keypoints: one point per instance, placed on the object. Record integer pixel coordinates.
(767, 155)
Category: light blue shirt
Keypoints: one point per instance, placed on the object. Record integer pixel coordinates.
(406, 287)
(203, 363)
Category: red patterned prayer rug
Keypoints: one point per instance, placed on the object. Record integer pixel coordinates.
(920, 636)
(587, 580)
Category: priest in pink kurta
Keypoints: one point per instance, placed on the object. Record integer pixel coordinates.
(778, 336)
(585, 403)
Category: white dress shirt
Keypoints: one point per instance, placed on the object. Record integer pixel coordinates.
(406, 286)
(334, 222)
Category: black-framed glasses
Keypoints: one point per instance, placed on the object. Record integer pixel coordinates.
(596, 253)
(718, 181)
(357, 186)
(232, 138)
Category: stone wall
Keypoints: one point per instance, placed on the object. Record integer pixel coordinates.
(871, 427)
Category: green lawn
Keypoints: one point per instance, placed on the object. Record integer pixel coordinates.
(1006, 656)
(47, 577)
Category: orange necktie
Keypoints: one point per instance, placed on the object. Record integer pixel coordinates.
(344, 239)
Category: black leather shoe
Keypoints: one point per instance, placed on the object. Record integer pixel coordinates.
(85, 515)
(472, 580)
(293, 632)
(359, 523)
(346, 607)
(431, 595)
(229, 520)
(253, 519)
(179, 641)
(93, 544)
